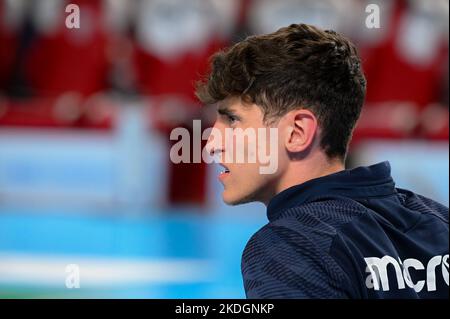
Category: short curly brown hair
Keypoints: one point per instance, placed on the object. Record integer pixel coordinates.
(299, 66)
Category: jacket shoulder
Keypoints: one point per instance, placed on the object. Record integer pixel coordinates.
(287, 260)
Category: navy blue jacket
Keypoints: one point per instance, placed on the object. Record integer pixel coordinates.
(351, 234)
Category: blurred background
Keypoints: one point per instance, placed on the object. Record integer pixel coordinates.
(85, 118)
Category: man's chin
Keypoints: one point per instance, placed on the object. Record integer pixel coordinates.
(231, 200)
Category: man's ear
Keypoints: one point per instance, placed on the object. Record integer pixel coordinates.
(302, 128)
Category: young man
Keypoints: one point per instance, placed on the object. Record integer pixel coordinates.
(332, 233)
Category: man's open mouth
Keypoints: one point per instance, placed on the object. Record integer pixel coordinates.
(224, 172)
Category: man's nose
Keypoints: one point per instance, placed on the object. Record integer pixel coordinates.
(214, 145)
(215, 152)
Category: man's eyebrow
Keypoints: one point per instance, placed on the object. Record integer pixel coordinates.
(225, 111)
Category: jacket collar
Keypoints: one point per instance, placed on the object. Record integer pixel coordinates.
(354, 183)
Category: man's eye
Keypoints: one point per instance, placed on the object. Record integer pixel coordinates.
(232, 119)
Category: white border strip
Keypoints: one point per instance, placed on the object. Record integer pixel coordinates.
(50, 270)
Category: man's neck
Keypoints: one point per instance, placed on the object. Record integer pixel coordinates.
(307, 169)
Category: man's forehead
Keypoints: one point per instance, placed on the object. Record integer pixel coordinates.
(225, 105)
